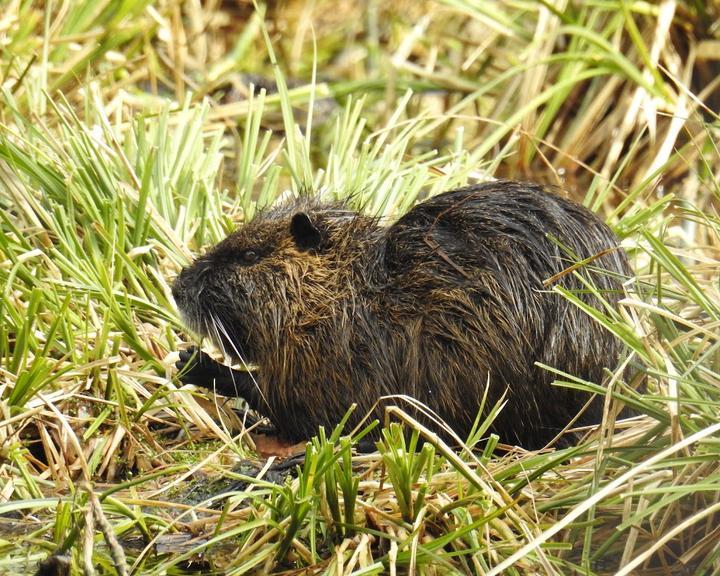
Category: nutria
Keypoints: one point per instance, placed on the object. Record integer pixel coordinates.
(331, 307)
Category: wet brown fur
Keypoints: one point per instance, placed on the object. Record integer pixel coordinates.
(334, 308)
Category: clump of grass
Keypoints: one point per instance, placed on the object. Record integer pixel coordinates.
(123, 151)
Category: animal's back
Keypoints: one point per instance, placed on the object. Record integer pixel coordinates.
(468, 268)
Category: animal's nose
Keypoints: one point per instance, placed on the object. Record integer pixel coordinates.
(191, 280)
(180, 281)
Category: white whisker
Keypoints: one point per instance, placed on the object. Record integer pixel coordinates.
(218, 327)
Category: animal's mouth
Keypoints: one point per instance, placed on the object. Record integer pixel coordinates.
(206, 316)
(190, 313)
(227, 337)
(230, 347)
(193, 323)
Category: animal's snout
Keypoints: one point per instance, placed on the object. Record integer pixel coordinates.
(193, 281)
(190, 281)
(179, 286)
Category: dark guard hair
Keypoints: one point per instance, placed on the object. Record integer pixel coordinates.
(334, 308)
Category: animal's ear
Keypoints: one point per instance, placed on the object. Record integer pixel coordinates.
(307, 236)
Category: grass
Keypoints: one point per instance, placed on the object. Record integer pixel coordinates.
(124, 150)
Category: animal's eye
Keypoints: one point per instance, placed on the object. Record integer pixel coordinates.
(249, 256)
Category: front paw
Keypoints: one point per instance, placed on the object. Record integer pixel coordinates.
(196, 367)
